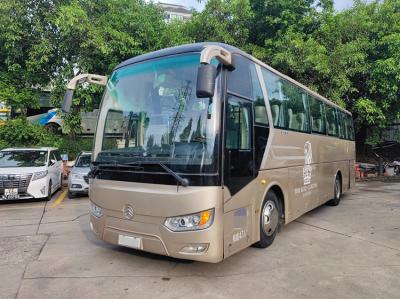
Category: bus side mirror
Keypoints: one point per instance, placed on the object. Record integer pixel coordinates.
(206, 76)
(67, 103)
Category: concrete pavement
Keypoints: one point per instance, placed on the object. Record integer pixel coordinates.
(348, 251)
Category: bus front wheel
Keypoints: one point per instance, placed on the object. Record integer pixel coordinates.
(271, 212)
(337, 192)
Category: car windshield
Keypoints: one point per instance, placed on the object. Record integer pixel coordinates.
(23, 158)
(151, 114)
(83, 161)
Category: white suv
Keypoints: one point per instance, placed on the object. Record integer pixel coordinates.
(30, 173)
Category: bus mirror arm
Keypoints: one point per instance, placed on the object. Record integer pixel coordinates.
(207, 72)
(82, 78)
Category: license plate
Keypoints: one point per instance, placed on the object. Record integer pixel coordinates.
(129, 241)
(11, 193)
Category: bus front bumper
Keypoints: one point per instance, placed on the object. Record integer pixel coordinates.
(202, 245)
(146, 230)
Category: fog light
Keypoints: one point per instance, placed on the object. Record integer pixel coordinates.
(96, 210)
(194, 249)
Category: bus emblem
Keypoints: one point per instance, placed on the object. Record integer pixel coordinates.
(128, 211)
(307, 169)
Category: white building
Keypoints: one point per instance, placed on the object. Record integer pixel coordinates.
(175, 12)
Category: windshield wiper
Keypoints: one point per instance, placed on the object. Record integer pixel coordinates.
(184, 181)
(98, 167)
(137, 165)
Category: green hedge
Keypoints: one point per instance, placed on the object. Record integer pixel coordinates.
(21, 133)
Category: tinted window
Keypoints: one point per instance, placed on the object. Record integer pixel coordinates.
(23, 158)
(289, 104)
(331, 122)
(57, 155)
(238, 126)
(276, 99)
(349, 129)
(318, 121)
(341, 120)
(260, 112)
(53, 156)
(239, 80)
(83, 161)
(243, 80)
(297, 109)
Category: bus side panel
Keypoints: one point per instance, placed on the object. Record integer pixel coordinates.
(352, 173)
(242, 211)
(303, 191)
(237, 230)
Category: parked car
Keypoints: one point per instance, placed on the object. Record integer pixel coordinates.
(27, 173)
(78, 181)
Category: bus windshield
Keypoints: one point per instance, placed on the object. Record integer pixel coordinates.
(151, 114)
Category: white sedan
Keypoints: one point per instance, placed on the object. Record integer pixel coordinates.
(27, 173)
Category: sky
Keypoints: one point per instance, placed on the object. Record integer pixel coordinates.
(339, 4)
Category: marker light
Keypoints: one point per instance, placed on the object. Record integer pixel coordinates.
(96, 210)
(198, 221)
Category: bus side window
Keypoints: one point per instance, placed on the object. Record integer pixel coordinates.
(289, 104)
(340, 121)
(318, 121)
(238, 126)
(350, 128)
(260, 111)
(331, 121)
(276, 99)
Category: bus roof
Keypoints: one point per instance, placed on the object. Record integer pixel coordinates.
(198, 47)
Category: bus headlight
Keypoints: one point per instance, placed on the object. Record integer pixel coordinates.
(96, 210)
(201, 220)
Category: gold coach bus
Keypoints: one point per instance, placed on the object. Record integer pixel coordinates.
(216, 150)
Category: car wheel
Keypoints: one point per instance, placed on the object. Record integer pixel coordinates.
(337, 192)
(49, 194)
(71, 194)
(271, 212)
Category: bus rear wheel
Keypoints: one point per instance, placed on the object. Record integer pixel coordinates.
(269, 220)
(337, 192)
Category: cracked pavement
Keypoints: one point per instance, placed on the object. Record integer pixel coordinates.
(349, 251)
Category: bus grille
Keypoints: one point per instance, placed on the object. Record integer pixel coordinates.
(11, 181)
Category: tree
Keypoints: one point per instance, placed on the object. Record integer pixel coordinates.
(28, 55)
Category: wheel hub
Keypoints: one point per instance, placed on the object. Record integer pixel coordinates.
(270, 218)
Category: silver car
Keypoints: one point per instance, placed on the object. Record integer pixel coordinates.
(78, 181)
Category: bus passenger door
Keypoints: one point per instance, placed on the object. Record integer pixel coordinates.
(238, 173)
(239, 160)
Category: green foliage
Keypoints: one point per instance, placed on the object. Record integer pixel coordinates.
(28, 58)
(20, 132)
(351, 57)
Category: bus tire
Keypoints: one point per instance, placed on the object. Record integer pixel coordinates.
(337, 192)
(270, 215)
